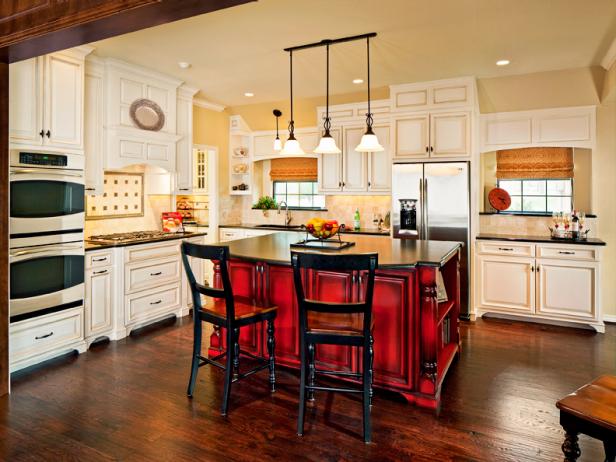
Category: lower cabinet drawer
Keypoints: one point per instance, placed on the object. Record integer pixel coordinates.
(504, 248)
(145, 305)
(144, 275)
(39, 335)
(577, 252)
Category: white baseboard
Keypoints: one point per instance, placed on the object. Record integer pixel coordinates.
(609, 318)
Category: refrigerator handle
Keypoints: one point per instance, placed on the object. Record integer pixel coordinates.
(425, 209)
(420, 228)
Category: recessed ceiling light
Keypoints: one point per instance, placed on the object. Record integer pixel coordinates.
(249, 94)
(502, 62)
(358, 81)
(183, 64)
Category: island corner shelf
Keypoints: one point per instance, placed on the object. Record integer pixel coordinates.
(412, 351)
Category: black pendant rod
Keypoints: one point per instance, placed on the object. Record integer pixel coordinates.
(327, 122)
(325, 42)
(369, 115)
(291, 122)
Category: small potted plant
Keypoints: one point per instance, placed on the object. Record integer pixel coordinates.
(265, 203)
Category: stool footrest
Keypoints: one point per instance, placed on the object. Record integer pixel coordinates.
(340, 389)
(250, 372)
(338, 373)
(212, 361)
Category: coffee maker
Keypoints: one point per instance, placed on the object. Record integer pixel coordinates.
(408, 216)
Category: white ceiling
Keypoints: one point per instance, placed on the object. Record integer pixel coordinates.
(240, 49)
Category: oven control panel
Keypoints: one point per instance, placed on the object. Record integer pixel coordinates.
(35, 158)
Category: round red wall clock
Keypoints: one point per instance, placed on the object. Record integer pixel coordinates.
(499, 199)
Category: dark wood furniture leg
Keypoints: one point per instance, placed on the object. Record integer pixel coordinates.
(230, 366)
(236, 353)
(311, 369)
(302, 387)
(367, 389)
(196, 353)
(271, 347)
(371, 367)
(610, 451)
(571, 448)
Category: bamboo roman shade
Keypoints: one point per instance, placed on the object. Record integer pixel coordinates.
(534, 163)
(294, 169)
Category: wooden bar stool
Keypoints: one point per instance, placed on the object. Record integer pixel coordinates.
(590, 410)
(222, 309)
(334, 324)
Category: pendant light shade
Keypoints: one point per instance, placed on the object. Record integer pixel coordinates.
(277, 142)
(327, 144)
(291, 146)
(369, 142)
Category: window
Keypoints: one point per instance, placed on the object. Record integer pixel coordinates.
(299, 194)
(539, 196)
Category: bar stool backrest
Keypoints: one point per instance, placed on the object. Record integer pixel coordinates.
(367, 262)
(219, 254)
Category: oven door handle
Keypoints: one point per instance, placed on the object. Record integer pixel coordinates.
(45, 249)
(46, 172)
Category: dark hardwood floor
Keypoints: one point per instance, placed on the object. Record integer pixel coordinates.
(126, 401)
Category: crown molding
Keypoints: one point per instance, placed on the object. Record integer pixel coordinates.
(208, 105)
(610, 57)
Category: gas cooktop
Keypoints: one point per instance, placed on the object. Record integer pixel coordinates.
(137, 236)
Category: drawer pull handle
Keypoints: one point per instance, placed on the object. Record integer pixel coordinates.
(99, 259)
(157, 302)
(100, 272)
(156, 274)
(506, 249)
(40, 337)
(566, 252)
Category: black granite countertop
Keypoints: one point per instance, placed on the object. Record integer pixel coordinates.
(366, 231)
(169, 237)
(541, 239)
(393, 253)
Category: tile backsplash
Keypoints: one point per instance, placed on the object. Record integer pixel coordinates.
(523, 226)
(341, 208)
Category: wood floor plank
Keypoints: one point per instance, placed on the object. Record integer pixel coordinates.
(126, 401)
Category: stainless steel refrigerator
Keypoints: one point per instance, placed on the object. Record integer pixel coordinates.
(434, 197)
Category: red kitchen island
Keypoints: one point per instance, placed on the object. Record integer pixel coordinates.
(415, 336)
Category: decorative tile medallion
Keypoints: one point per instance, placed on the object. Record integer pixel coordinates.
(122, 197)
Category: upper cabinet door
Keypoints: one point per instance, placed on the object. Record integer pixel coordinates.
(379, 163)
(184, 148)
(355, 175)
(330, 168)
(450, 135)
(411, 136)
(93, 133)
(263, 145)
(200, 171)
(63, 101)
(25, 102)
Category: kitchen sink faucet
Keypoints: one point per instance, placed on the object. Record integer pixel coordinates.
(287, 216)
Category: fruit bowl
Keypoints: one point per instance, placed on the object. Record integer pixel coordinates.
(322, 229)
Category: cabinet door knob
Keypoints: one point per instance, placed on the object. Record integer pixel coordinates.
(48, 134)
(532, 269)
(42, 133)
(427, 149)
(339, 184)
(431, 148)
(369, 184)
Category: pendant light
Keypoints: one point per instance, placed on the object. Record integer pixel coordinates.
(369, 142)
(277, 142)
(291, 146)
(327, 144)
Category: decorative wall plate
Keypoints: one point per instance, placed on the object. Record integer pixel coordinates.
(240, 151)
(147, 115)
(499, 199)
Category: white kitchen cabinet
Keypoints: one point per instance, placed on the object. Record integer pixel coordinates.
(566, 288)
(379, 163)
(434, 95)
(263, 145)
(47, 101)
(353, 171)
(185, 151)
(99, 302)
(566, 127)
(26, 102)
(230, 234)
(354, 163)
(411, 135)
(434, 135)
(551, 282)
(93, 129)
(507, 284)
(450, 135)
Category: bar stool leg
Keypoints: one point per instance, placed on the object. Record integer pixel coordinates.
(271, 346)
(311, 366)
(236, 353)
(370, 368)
(366, 388)
(228, 370)
(195, 356)
(302, 388)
